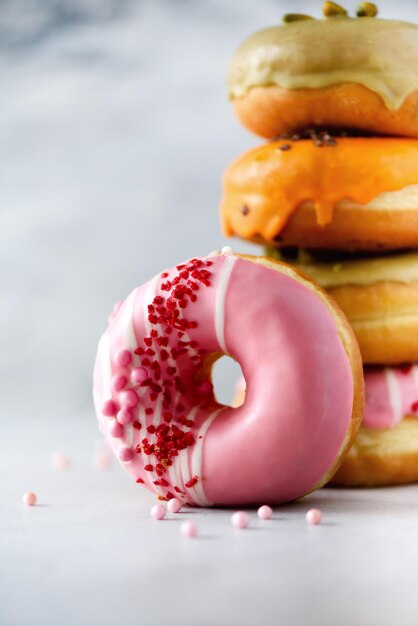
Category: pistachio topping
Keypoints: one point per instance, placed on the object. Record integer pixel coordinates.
(366, 9)
(295, 17)
(331, 9)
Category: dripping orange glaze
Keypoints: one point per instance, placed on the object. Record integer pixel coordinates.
(265, 186)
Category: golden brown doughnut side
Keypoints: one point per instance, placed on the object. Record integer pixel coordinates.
(354, 228)
(384, 317)
(273, 110)
(381, 457)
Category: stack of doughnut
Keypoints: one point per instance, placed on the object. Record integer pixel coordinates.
(334, 193)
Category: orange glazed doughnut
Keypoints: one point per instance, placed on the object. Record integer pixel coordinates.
(337, 73)
(344, 194)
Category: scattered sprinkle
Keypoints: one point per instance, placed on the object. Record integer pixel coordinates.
(189, 529)
(265, 512)
(174, 505)
(158, 512)
(102, 460)
(29, 498)
(314, 517)
(240, 519)
(60, 461)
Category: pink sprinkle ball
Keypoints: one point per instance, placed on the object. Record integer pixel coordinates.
(109, 408)
(102, 460)
(129, 398)
(125, 416)
(265, 512)
(119, 382)
(125, 454)
(29, 498)
(139, 374)
(158, 512)
(240, 519)
(204, 388)
(123, 358)
(116, 430)
(60, 461)
(314, 517)
(174, 505)
(189, 529)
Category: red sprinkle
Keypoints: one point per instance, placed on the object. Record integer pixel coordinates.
(169, 312)
(191, 482)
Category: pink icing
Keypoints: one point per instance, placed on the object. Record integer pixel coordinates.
(286, 436)
(391, 394)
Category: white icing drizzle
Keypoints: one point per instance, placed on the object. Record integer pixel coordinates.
(197, 458)
(224, 277)
(189, 461)
(182, 460)
(394, 392)
(415, 375)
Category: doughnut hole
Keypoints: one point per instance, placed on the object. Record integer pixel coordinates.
(227, 376)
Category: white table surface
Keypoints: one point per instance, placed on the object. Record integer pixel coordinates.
(88, 553)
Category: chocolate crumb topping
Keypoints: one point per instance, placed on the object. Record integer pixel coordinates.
(319, 136)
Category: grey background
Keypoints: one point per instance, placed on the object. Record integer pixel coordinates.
(114, 131)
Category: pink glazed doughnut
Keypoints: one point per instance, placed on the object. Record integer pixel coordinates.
(298, 355)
